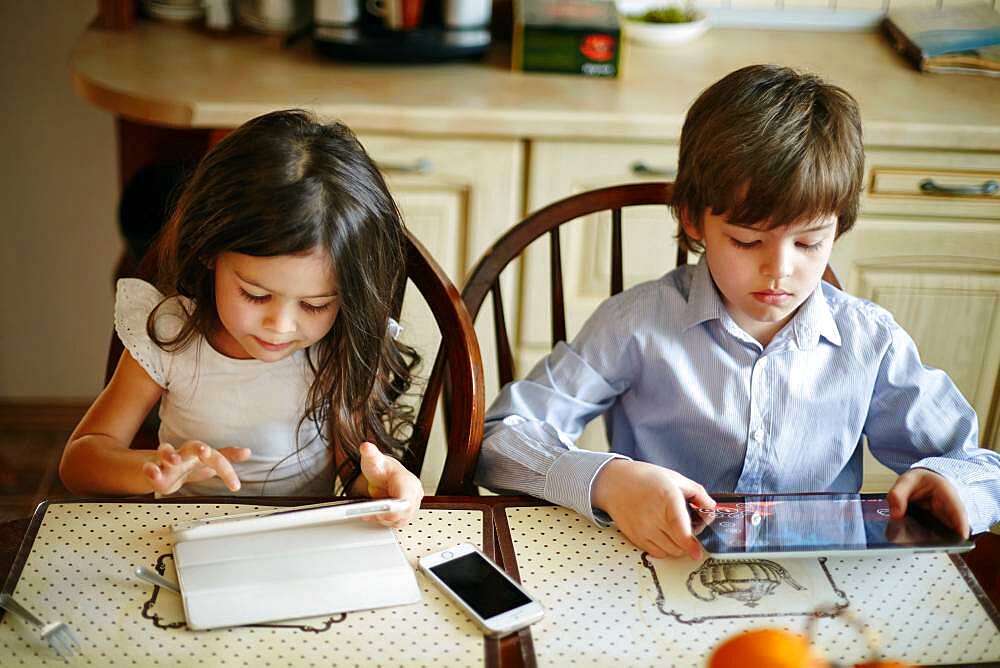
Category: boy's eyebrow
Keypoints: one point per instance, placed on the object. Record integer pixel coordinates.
(818, 226)
(266, 289)
(814, 228)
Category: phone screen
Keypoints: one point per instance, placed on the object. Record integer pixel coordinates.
(477, 582)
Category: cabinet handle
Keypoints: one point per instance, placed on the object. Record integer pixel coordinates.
(418, 166)
(989, 187)
(640, 168)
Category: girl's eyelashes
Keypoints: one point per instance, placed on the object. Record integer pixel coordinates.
(254, 299)
(808, 247)
(306, 306)
(313, 308)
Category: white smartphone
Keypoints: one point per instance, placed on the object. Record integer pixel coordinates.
(491, 597)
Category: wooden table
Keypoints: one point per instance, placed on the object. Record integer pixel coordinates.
(76, 559)
(515, 650)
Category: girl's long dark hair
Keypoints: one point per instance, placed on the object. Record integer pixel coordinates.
(284, 184)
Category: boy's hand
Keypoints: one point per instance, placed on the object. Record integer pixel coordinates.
(192, 462)
(389, 478)
(649, 504)
(932, 491)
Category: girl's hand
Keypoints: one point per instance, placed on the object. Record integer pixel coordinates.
(649, 504)
(192, 462)
(933, 492)
(387, 477)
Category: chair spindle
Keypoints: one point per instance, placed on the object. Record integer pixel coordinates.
(505, 358)
(555, 266)
(616, 251)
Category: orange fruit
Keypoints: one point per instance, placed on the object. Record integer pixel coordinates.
(765, 648)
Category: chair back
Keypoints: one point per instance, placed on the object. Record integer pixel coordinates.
(458, 359)
(484, 278)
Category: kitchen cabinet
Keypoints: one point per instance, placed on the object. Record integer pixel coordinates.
(933, 260)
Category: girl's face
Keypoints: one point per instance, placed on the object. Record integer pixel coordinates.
(271, 307)
(765, 275)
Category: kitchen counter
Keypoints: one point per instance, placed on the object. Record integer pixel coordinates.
(167, 75)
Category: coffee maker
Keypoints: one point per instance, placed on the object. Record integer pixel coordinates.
(402, 31)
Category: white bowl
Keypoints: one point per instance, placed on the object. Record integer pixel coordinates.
(658, 34)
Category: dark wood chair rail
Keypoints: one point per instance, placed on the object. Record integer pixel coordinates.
(484, 279)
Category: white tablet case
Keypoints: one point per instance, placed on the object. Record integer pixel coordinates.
(291, 573)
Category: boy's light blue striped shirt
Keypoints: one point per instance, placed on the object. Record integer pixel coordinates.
(684, 387)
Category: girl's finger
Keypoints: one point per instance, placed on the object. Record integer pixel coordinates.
(168, 454)
(222, 467)
(235, 454)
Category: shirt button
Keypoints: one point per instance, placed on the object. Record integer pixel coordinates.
(758, 435)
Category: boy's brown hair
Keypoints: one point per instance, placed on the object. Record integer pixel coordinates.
(768, 145)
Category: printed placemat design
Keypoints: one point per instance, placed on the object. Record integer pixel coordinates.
(609, 604)
(742, 588)
(80, 569)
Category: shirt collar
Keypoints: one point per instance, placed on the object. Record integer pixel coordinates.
(704, 302)
(811, 321)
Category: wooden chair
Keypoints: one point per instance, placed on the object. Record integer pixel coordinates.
(485, 276)
(458, 359)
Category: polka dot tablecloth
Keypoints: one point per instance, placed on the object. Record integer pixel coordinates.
(80, 569)
(609, 604)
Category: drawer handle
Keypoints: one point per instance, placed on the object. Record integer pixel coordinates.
(640, 168)
(985, 188)
(418, 166)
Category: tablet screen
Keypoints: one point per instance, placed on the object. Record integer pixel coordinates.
(815, 523)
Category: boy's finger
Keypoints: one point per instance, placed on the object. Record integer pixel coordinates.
(697, 495)
(899, 495)
(678, 526)
(669, 544)
(950, 509)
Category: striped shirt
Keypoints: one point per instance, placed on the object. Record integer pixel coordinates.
(681, 385)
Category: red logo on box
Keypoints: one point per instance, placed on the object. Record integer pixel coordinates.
(598, 47)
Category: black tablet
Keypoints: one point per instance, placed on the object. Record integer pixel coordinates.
(791, 526)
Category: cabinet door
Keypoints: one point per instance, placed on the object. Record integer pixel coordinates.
(457, 196)
(560, 169)
(941, 281)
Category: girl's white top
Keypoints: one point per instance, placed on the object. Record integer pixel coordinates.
(227, 402)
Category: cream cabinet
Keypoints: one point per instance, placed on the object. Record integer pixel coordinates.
(559, 169)
(929, 254)
(456, 196)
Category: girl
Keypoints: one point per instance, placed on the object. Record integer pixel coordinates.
(268, 341)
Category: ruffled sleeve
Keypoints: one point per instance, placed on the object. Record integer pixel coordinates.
(134, 301)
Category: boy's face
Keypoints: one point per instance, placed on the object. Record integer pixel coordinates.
(765, 275)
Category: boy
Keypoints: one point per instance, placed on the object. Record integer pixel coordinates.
(744, 372)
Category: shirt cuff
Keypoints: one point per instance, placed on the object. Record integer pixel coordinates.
(569, 482)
